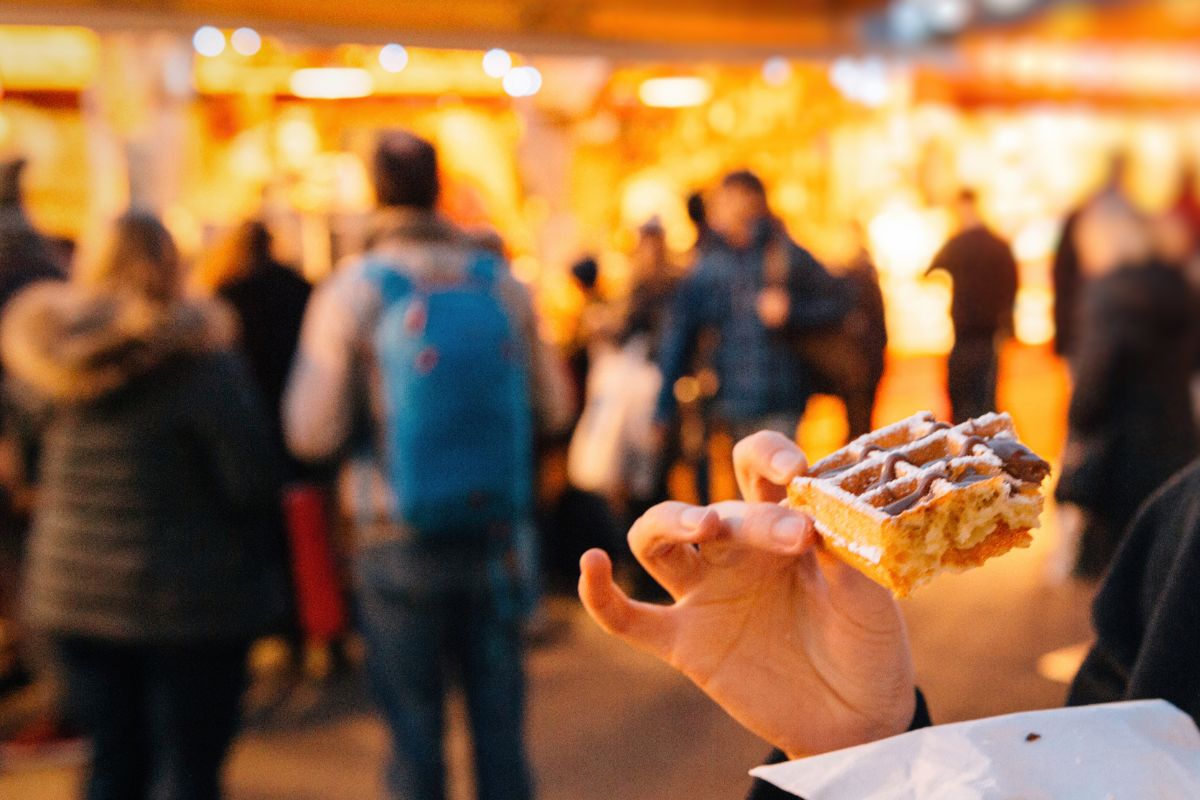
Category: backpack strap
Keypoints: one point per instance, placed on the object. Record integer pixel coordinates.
(391, 284)
(484, 268)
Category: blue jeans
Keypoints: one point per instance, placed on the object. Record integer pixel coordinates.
(419, 634)
(161, 717)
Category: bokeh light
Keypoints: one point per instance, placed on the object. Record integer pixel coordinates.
(522, 82)
(776, 71)
(393, 57)
(497, 63)
(246, 41)
(209, 41)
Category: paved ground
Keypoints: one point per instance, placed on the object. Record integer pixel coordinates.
(608, 722)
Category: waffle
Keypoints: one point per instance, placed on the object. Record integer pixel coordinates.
(918, 497)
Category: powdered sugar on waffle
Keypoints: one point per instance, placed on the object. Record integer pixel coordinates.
(918, 453)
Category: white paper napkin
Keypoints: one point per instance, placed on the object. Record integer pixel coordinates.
(1140, 750)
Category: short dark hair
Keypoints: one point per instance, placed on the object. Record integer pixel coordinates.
(406, 171)
(745, 179)
(586, 272)
(696, 211)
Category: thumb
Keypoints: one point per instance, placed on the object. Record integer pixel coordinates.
(646, 626)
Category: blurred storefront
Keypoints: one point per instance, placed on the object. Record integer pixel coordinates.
(562, 153)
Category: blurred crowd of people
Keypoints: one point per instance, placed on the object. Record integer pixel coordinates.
(156, 419)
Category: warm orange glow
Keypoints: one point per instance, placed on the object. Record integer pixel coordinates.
(681, 92)
(419, 71)
(331, 83)
(1034, 315)
(47, 58)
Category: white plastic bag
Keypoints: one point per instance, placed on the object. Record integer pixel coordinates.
(615, 431)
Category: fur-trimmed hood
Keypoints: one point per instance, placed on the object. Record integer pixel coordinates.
(71, 345)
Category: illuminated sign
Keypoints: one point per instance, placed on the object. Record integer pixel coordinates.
(44, 58)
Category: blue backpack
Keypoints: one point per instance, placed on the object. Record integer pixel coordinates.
(457, 441)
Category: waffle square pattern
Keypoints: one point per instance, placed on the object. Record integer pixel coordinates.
(918, 497)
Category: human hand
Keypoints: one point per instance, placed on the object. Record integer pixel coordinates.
(798, 647)
(774, 306)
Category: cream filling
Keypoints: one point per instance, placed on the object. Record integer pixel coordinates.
(868, 552)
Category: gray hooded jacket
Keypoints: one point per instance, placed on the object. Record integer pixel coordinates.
(153, 466)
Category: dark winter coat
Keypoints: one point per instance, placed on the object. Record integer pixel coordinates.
(153, 467)
(1130, 423)
(984, 273)
(270, 304)
(1147, 613)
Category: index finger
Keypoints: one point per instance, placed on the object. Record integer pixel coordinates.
(764, 463)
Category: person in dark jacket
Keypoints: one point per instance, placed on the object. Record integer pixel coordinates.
(866, 327)
(1130, 423)
(269, 300)
(1067, 279)
(654, 283)
(984, 273)
(815, 656)
(153, 466)
(757, 316)
(25, 257)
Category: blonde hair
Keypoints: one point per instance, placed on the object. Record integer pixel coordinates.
(236, 256)
(139, 259)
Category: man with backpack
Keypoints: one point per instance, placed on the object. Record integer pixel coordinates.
(419, 363)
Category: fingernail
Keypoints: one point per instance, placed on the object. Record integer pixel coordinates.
(785, 462)
(692, 517)
(788, 530)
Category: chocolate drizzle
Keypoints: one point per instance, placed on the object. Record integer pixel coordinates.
(909, 500)
(1019, 460)
(887, 473)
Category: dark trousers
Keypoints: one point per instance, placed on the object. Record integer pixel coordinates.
(416, 639)
(161, 717)
(971, 376)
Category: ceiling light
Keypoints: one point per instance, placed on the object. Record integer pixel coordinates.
(209, 41)
(246, 41)
(522, 82)
(679, 92)
(776, 70)
(497, 63)
(333, 83)
(393, 57)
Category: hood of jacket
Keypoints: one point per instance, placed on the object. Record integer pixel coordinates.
(71, 345)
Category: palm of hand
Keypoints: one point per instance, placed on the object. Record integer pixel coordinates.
(775, 641)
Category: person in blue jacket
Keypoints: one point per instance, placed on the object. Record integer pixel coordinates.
(752, 295)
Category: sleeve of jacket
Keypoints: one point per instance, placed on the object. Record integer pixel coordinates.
(549, 387)
(1146, 615)
(319, 401)
(818, 299)
(761, 790)
(235, 431)
(678, 342)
